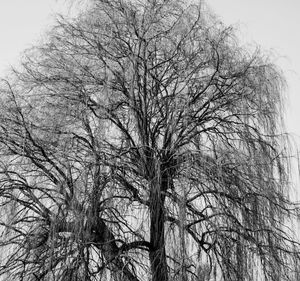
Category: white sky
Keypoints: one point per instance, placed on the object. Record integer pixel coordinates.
(21, 22)
(273, 24)
(24, 22)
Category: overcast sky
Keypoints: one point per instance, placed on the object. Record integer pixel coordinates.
(273, 24)
(24, 22)
(21, 22)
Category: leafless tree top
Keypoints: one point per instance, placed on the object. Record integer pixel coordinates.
(141, 142)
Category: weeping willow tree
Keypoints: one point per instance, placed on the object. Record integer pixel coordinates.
(141, 142)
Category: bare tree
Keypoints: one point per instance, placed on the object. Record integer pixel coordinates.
(140, 142)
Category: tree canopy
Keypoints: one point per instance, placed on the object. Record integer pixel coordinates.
(140, 141)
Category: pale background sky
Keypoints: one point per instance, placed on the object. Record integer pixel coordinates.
(273, 24)
(21, 23)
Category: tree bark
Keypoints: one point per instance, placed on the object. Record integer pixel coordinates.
(157, 255)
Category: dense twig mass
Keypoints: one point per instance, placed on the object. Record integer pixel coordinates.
(140, 142)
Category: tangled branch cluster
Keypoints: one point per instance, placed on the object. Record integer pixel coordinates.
(141, 142)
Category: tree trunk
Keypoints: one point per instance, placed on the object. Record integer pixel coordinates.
(157, 255)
